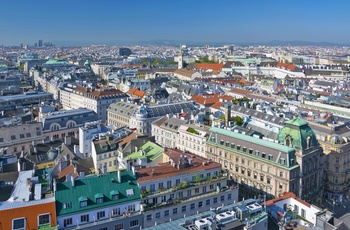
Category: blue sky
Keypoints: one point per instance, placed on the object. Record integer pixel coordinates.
(118, 21)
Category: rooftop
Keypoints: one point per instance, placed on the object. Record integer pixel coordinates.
(88, 188)
(149, 150)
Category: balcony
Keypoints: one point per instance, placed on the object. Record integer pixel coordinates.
(198, 182)
(170, 202)
(102, 221)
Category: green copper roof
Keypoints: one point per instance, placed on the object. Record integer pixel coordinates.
(56, 61)
(87, 62)
(253, 140)
(90, 188)
(297, 134)
(149, 150)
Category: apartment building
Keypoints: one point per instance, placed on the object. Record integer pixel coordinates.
(140, 117)
(193, 138)
(26, 209)
(166, 131)
(184, 185)
(265, 167)
(60, 124)
(21, 137)
(97, 100)
(111, 201)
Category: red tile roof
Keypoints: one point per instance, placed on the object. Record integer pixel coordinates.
(166, 170)
(210, 99)
(286, 66)
(217, 105)
(285, 196)
(240, 91)
(136, 92)
(215, 67)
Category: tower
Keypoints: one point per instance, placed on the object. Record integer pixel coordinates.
(180, 59)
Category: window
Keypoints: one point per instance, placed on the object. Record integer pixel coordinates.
(181, 194)
(21, 135)
(134, 223)
(13, 137)
(222, 198)
(104, 228)
(183, 208)
(67, 205)
(196, 190)
(303, 213)
(116, 212)
(44, 219)
(200, 204)
(281, 174)
(270, 157)
(119, 226)
(115, 197)
(207, 202)
(268, 180)
(261, 178)
(99, 200)
(67, 222)
(84, 218)
(215, 200)
(19, 224)
(166, 213)
(263, 155)
(337, 160)
(149, 217)
(256, 153)
(157, 215)
(83, 203)
(193, 206)
(100, 215)
(229, 196)
(174, 211)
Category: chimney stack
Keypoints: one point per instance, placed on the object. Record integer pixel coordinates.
(119, 177)
(72, 180)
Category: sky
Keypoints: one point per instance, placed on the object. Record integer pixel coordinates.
(125, 21)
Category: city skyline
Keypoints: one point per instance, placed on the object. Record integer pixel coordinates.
(85, 23)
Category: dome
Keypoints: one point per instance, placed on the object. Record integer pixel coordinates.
(142, 112)
(52, 154)
(297, 133)
(336, 139)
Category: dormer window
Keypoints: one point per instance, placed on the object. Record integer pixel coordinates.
(83, 201)
(130, 192)
(114, 195)
(99, 198)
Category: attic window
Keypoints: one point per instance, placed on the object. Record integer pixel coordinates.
(83, 201)
(130, 192)
(114, 195)
(99, 198)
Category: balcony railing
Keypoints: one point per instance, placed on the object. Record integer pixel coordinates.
(170, 202)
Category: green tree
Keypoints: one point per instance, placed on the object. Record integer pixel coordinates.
(238, 120)
(197, 178)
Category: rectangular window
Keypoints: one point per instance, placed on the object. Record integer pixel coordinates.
(174, 211)
(103, 228)
(83, 204)
(337, 160)
(67, 205)
(149, 217)
(119, 226)
(256, 153)
(99, 200)
(21, 135)
(196, 190)
(19, 224)
(13, 137)
(183, 208)
(207, 202)
(229, 196)
(100, 215)
(222, 198)
(193, 206)
(263, 155)
(157, 215)
(270, 157)
(29, 135)
(44, 219)
(67, 222)
(84, 218)
(166, 213)
(303, 213)
(134, 223)
(200, 204)
(232, 145)
(211, 186)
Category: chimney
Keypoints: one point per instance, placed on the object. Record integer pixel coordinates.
(119, 178)
(133, 170)
(68, 140)
(75, 169)
(54, 185)
(72, 180)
